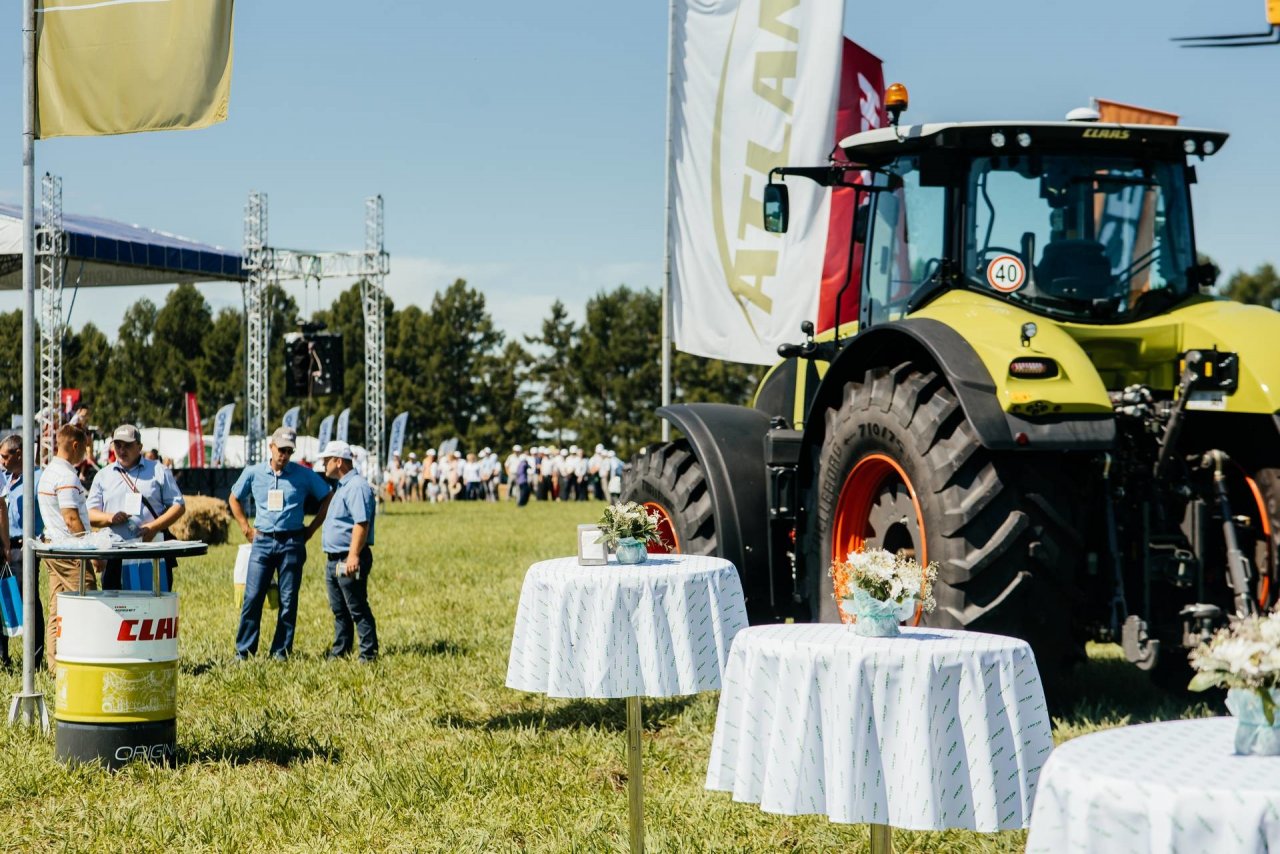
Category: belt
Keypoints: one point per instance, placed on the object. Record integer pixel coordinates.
(343, 555)
(283, 536)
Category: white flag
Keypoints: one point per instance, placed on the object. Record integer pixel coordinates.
(757, 89)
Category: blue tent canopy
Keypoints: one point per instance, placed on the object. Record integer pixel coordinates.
(105, 252)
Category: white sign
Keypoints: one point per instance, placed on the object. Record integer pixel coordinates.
(1006, 273)
(757, 89)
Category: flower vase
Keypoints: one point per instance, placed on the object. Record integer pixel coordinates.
(1254, 736)
(631, 551)
(876, 618)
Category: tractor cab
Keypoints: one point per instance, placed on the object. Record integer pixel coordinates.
(1078, 221)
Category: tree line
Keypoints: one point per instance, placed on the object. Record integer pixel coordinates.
(448, 365)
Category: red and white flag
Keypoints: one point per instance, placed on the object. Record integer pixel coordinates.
(195, 433)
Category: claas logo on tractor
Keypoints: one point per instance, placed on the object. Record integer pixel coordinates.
(1036, 390)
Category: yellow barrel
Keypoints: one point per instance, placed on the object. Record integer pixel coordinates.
(116, 677)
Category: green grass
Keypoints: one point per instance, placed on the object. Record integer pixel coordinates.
(427, 750)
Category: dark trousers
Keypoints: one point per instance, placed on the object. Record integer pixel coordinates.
(267, 558)
(16, 566)
(522, 494)
(349, 602)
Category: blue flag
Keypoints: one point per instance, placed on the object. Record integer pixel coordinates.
(221, 427)
(344, 418)
(326, 431)
(290, 419)
(396, 443)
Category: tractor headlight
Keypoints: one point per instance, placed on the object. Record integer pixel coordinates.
(997, 139)
(1033, 369)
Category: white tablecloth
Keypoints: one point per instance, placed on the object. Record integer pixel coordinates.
(931, 730)
(1166, 787)
(655, 630)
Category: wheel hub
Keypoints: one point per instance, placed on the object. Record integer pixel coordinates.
(878, 508)
(670, 543)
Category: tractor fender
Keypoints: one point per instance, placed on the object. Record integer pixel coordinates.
(945, 348)
(729, 443)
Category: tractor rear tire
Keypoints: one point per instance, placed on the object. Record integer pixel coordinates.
(901, 468)
(668, 479)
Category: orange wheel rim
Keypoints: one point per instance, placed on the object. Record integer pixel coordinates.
(1264, 580)
(873, 477)
(670, 543)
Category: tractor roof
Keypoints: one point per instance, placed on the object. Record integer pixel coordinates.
(1057, 137)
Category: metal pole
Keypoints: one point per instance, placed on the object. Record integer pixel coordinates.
(635, 778)
(28, 703)
(881, 839)
(666, 231)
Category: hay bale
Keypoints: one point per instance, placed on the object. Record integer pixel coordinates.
(207, 519)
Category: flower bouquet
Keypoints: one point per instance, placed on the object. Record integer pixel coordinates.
(628, 529)
(875, 590)
(1245, 658)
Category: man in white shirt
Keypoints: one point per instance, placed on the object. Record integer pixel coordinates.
(137, 498)
(66, 515)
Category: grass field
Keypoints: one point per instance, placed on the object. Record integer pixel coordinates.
(427, 750)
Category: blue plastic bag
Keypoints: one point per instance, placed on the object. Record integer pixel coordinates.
(138, 575)
(10, 602)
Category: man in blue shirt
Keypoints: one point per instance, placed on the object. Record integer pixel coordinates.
(279, 488)
(347, 537)
(11, 526)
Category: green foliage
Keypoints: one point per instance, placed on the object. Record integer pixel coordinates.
(448, 366)
(428, 750)
(1261, 287)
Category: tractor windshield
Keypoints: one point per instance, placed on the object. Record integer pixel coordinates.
(1088, 238)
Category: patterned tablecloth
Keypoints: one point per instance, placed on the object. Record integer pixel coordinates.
(931, 730)
(659, 629)
(1166, 787)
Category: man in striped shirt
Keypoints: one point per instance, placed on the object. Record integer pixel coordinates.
(66, 515)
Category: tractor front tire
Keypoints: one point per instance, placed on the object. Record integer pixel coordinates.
(901, 468)
(667, 479)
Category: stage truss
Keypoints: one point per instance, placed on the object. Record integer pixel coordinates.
(266, 265)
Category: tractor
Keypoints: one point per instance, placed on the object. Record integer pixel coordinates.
(1039, 393)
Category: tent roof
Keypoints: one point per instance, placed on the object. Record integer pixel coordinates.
(105, 252)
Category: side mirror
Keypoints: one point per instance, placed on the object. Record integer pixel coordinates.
(777, 208)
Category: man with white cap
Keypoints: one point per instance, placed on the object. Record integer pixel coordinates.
(279, 488)
(595, 473)
(509, 466)
(347, 540)
(138, 499)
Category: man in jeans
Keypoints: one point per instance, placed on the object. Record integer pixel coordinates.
(279, 488)
(347, 538)
(11, 522)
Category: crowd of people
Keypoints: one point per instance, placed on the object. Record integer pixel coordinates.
(136, 496)
(541, 473)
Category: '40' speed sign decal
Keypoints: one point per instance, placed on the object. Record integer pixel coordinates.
(1006, 273)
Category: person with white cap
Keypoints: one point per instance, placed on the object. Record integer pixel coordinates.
(137, 498)
(595, 470)
(412, 472)
(279, 488)
(509, 466)
(347, 540)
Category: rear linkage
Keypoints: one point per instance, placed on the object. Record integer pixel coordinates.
(1143, 421)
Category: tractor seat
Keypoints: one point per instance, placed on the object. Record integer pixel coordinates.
(1074, 269)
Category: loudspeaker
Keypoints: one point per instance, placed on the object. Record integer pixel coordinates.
(313, 364)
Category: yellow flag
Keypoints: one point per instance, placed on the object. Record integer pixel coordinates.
(125, 66)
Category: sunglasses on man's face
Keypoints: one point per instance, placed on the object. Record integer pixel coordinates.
(285, 451)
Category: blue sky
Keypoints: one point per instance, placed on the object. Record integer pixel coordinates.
(521, 145)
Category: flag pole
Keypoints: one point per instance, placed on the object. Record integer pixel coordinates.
(666, 231)
(28, 705)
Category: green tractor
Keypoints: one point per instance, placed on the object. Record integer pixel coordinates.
(1037, 394)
